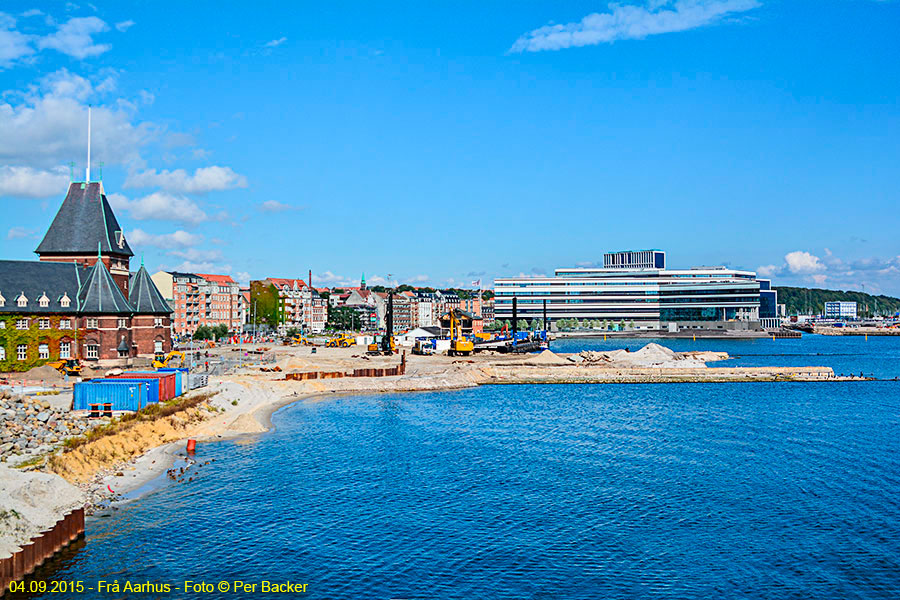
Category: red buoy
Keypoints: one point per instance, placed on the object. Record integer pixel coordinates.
(192, 445)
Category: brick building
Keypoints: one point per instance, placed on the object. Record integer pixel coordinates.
(202, 299)
(302, 305)
(80, 300)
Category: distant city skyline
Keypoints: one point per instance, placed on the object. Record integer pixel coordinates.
(450, 144)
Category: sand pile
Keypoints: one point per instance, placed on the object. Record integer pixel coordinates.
(546, 358)
(45, 373)
(31, 502)
(651, 355)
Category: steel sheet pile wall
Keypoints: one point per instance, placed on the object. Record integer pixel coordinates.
(122, 396)
(41, 547)
(385, 372)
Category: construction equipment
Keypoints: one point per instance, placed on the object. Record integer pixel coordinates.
(383, 344)
(459, 345)
(70, 366)
(161, 362)
(300, 341)
(342, 341)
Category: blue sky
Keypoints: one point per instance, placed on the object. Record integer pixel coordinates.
(448, 143)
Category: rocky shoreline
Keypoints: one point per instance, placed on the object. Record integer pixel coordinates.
(33, 426)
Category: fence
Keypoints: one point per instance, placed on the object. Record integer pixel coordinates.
(197, 380)
(43, 546)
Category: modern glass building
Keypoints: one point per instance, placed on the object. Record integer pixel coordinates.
(635, 287)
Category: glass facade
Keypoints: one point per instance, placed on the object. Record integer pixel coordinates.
(651, 298)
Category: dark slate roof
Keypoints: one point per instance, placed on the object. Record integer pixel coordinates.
(34, 279)
(84, 220)
(144, 296)
(100, 295)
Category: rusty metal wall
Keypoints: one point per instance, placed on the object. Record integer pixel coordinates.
(32, 555)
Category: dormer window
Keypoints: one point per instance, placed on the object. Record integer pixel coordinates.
(120, 239)
(44, 301)
(2, 300)
(22, 300)
(65, 301)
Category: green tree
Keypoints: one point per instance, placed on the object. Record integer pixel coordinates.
(622, 325)
(522, 325)
(266, 304)
(631, 325)
(203, 333)
(487, 294)
(536, 325)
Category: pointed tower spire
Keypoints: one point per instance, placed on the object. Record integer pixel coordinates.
(362, 282)
(87, 170)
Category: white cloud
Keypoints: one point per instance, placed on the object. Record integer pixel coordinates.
(160, 206)
(875, 275)
(16, 233)
(329, 279)
(26, 182)
(625, 21)
(179, 238)
(275, 206)
(204, 179)
(242, 277)
(197, 254)
(125, 25)
(75, 38)
(276, 43)
(13, 45)
(801, 262)
(32, 13)
(768, 270)
(48, 126)
(190, 266)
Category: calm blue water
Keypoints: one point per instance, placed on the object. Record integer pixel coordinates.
(878, 357)
(762, 490)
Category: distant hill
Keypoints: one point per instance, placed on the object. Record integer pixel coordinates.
(803, 300)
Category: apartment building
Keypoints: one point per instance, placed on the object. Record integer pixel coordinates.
(201, 299)
(302, 306)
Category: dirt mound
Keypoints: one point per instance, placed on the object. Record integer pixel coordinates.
(45, 373)
(31, 502)
(651, 355)
(547, 358)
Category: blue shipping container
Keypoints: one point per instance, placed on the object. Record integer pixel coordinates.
(148, 397)
(122, 396)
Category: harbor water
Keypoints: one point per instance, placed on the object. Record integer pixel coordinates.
(750, 490)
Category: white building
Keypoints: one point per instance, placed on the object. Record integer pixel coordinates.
(840, 310)
(637, 289)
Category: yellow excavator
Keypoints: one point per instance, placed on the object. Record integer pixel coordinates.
(459, 346)
(342, 341)
(66, 366)
(161, 362)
